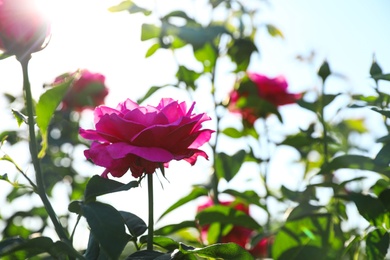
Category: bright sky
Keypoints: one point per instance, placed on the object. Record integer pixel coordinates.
(85, 35)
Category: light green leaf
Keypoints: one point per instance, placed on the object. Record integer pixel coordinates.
(47, 104)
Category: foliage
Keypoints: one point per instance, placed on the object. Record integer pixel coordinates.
(314, 224)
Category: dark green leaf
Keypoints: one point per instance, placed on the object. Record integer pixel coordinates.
(107, 226)
(382, 77)
(146, 255)
(134, 223)
(303, 252)
(195, 193)
(207, 55)
(228, 251)
(187, 76)
(98, 186)
(303, 210)
(372, 209)
(240, 53)
(353, 162)
(228, 166)
(299, 196)
(377, 244)
(383, 156)
(75, 207)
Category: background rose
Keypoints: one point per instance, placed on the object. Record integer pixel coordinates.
(239, 235)
(88, 90)
(143, 138)
(256, 89)
(23, 29)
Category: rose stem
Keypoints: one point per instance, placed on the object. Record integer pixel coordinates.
(34, 152)
(150, 224)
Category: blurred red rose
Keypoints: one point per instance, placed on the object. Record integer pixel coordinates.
(87, 90)
(144, 138)
(239, 235)
(260, 87)
(23, 29)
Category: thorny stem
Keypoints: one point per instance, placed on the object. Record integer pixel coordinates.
(34, 153)
(151, 220)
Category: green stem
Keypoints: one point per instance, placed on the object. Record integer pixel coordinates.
(34, 152)
(151, 220)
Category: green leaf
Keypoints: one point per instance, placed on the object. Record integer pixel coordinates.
(274, 31)
(150, 31)
(303, 252)
(150, 92)
(107, 226)
(129, 6)
(152, 49)
(232, 132)
(303, 210)
(47, 104)
(303, 234)
(163, 242)
(134, 223)
(226, 215)
(249, 196)
(228, 251)
(377, 244)
(98, 186)
(207, 55)
(187, 76)
(172, 228)
(194, 194)
(20, 118)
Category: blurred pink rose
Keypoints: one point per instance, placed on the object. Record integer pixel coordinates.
(144, 138)
(23, 29)
(239, 235)
(88, 90)
(273, 90)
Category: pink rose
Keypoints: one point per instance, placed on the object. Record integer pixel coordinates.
(23, 29)
(239, 235)
(144, 138)
(272, 90)
(88, 90)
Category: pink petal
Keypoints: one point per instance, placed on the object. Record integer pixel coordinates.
(154, 154)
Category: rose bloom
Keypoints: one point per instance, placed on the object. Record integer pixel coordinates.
(23, 29)
(87, 90)
(272, 90)
(239, 235)
(144, 138)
